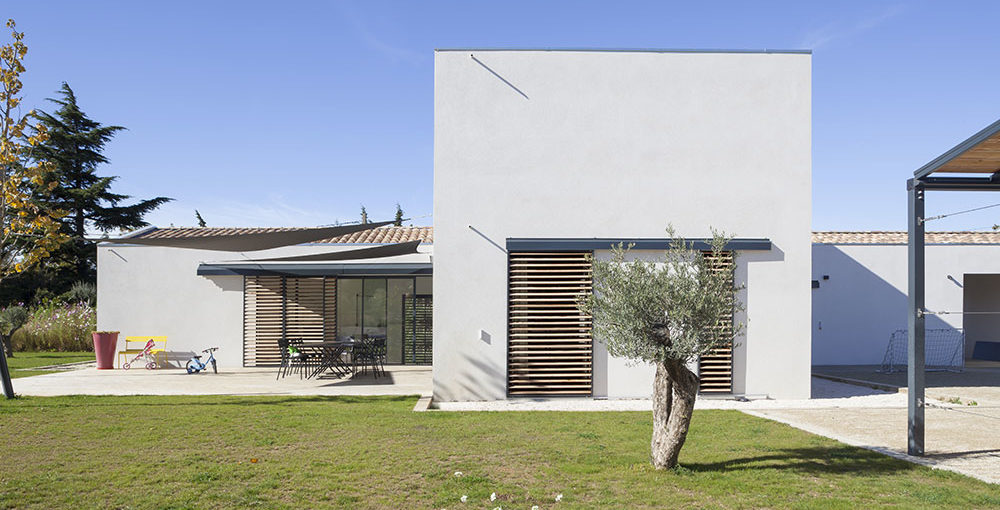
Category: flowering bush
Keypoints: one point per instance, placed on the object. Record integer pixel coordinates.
(57, 327)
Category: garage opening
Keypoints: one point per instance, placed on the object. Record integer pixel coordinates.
(981, 299)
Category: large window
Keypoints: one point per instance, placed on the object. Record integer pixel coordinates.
(314, 309)
(374, 307)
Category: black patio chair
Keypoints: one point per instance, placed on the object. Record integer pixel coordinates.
(292, 361)
(370, 352)
(283, 350)
(300, 359)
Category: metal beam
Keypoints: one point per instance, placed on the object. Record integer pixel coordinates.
(991, 183)
(597, 243)
(915, 321)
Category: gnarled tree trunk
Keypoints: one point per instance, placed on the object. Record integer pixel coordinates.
(8, 345)
(674, 392)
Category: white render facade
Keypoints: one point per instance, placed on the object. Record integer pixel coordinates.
(860, 297)
(158, 291)
(617, 145)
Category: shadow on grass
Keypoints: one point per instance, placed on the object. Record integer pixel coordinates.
(968, 453)
(203, 400)
(367, 379)
(843, 460)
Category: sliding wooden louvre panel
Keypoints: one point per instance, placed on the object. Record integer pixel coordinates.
(716, 367)
(263, 319)
(295, 308)
(549, 343)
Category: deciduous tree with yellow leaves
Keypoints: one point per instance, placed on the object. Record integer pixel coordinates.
(29, 232)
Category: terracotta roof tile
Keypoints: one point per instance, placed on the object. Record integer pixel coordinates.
(882, 237)
(381, 235)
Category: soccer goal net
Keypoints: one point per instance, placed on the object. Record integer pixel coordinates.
(944, 350)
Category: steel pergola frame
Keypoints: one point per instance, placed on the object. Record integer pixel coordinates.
(976, 155)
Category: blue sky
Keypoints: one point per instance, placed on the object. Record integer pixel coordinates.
(296, 113)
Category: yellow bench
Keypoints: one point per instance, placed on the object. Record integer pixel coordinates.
(136, 344)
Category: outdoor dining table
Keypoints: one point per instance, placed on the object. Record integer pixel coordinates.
(330, 354)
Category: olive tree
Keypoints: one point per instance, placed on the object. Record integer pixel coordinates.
(666, 312)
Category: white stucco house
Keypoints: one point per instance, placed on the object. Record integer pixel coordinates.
(149, 283)
(541, 158)
(859, 291)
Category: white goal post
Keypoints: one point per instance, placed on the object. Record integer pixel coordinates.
(944, 351)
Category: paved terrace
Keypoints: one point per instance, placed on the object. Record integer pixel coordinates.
(229, 381)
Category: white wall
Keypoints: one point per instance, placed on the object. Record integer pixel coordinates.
(864, 301)
(155, 291)
(619, 144)
(145, 290)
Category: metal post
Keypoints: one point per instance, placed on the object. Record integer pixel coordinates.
(915, 322)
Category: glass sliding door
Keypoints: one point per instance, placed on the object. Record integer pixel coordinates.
(373, 310)
(349, 304)
(376, 307)
(398, 289)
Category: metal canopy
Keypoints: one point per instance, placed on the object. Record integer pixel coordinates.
(979, 155)
(389, 250)
(249, 242)
(395, 259)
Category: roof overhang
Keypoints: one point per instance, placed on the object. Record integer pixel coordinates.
(247, 242)
(973, 165)
(588, 244)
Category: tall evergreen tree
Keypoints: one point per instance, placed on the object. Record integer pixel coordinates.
(201, 221)
(74, 145)
(399, 216)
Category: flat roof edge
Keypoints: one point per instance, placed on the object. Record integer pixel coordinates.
(599, 243)
(636, 50)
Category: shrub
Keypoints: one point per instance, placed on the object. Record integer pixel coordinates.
(12, 318)
(81, 292)
(58, 327)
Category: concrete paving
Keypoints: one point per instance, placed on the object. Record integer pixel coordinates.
(957, 438)
(229, 381)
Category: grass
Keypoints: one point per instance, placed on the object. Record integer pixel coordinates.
(22, 360)
(375, 452)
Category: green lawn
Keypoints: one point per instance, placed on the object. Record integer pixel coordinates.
(22, 360)
(353, 452)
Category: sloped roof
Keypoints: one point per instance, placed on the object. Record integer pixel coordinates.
(381, 235)
(883, 237)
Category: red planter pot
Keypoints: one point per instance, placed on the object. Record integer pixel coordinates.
(104, 347)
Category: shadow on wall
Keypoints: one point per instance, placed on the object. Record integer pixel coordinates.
(608, 370)
(855, 311)
(473, 379)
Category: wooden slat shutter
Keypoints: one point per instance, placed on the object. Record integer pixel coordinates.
(293, 308)
(330, 308)
(418, 330)
(304, 309)
(263, 319)
(549, 342)
(716, 368)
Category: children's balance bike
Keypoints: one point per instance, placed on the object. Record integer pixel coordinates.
(195, 365)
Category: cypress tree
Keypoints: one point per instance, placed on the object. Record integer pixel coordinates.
(75, 146)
